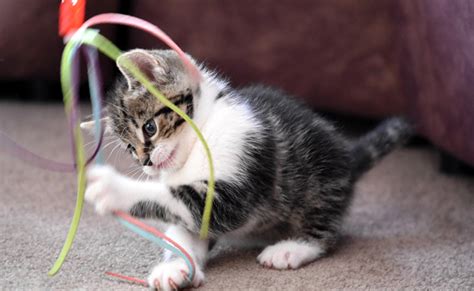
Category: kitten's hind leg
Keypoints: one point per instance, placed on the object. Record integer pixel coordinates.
(318, 233)
(291, 254)
(172, 272)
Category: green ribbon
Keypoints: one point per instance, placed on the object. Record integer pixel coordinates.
(93, 38)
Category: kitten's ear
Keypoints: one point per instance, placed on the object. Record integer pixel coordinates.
(145, 62)
(90, 125)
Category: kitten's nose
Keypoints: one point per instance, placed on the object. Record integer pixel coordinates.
(147, 162)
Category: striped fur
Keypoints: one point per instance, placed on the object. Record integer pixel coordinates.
(284, 175)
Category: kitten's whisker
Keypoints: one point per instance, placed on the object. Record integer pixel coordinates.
(112, 151)
(140, 177)
(109, 144)
(133, 172)
(89, 143)
(116, 157)
(136, 173)
(94, 142)
(132, 168)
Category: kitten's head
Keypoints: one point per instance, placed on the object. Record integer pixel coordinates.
(150, 131)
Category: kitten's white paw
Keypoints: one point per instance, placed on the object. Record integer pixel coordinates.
(105, 189)
(173, 275)
(289, 254)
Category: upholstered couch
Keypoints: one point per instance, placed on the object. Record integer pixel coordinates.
(369, 58)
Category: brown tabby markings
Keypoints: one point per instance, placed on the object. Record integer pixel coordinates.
(135, 112)
(169, 121)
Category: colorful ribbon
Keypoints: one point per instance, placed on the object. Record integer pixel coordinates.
(69, 86)
(111, 51)
(69, 83)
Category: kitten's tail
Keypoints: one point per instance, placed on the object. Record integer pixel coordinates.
(373, 146)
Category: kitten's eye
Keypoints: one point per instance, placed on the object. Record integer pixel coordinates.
(149, 128)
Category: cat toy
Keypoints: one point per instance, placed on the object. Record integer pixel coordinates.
(79, 37)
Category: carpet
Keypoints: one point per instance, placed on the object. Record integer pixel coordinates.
(409, 226)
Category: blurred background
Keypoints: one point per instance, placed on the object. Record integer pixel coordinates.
(356, 61)
(366, 58)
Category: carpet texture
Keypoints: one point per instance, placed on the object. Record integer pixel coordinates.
(409, 227)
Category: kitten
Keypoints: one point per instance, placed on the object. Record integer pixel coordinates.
(284, 175)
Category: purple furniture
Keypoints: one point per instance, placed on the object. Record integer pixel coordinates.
(370, 58)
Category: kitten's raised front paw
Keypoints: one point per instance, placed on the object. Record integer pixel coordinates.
(105, 189)
(173, 275)
(289, 254)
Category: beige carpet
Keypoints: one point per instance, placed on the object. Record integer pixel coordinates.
(409, 227)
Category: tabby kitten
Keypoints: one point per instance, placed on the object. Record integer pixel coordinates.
(284, 175)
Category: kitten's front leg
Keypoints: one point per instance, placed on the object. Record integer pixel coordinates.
(172, 273)
(108, 190)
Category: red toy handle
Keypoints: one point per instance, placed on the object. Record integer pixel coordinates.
(71, 16)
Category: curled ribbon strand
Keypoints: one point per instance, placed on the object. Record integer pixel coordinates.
(69, 79)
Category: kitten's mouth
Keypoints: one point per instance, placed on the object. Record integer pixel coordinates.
(167, 163)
